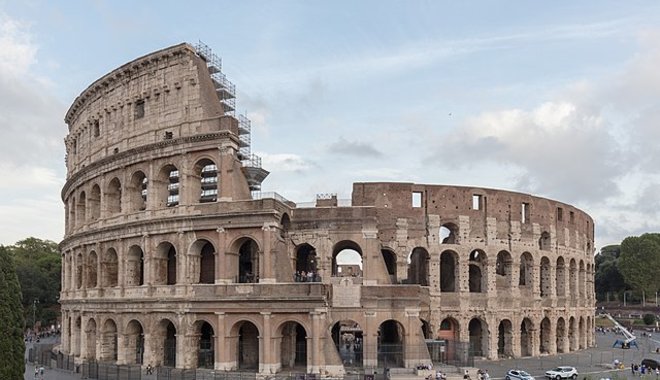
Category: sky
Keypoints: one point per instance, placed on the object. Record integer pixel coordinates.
(558, 99)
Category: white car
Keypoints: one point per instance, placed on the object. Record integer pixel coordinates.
(562, 373)
(517, 374)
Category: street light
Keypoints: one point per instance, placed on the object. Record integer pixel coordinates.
(34, 313)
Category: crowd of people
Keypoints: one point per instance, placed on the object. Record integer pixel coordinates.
(302, 276)
(642, 370)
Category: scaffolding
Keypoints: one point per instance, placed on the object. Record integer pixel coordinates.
(226, 91)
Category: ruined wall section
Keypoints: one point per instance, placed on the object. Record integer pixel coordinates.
(497, 219)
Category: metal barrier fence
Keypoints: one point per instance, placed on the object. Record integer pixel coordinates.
(108, 371)
(166, 373)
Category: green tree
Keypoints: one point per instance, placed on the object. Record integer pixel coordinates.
(608, 278)
(639, 262)
(38, 267)
(12, 345)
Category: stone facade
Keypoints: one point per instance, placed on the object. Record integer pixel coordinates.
(170, 259)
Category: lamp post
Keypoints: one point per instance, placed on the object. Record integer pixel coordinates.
(34, 313)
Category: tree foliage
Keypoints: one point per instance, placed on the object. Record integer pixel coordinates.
(12, 345)
(38, 266)
(639, 262)
(608, 278)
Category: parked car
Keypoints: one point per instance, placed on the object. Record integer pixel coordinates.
(562, 373)
(651, 363)
(518, 374)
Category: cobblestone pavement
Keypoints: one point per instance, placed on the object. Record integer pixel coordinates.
(591, 363)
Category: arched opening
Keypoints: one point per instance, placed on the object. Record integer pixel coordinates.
(546, 290)
(92, 268)
(207, 171)
(572, 277)
(134, 342)
(505, 339)
(207, 264)
(544, 241)
(582, 279)
(449, 234)
(418, 267)
(109, 341)
(572, 334)
(248, 262)
(138, 191)
(135, 266)
(76, 345)
(248, 346)
(560, 277)
(94, 202)
(582, 334)
(306, 263)
(448, 271)
(285, 222)
(166, 186)
(347, 259)
(526, 278)
(545, 336)
(390, 344)
(504, 270)
(449, 329)
(72, 213)
(164, 263)
(168, 333)
(81, 212)
(347, 336)
(110, 274)
(113, 197)
(526, 337)
(389, 257)
(205, 346)
(79, 271)
(90, 342)
(478, 337)
(561, 336)
(293, 346)
(478, 272)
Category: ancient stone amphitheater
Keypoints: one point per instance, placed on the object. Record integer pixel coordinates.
(173, 257)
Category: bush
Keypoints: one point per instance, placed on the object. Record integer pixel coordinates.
(649, 319)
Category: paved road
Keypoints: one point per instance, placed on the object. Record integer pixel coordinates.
(588, 362)
(591, 362)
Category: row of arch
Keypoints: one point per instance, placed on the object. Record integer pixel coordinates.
(141, 192)
(166, 343)
(478, 274)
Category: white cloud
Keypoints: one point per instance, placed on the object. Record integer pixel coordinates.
(31, 147)
(285, 162)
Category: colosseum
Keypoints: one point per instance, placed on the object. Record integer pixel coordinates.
(173, 256)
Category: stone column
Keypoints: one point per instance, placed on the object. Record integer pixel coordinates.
(266, 270)
(221, 275)
(493, 330)
(314, 363)
(122, 343)
(371, 252)
(222, 352)
(412, 355)
(267, 363)
(370, 340)
(65, 331)
(121, 264)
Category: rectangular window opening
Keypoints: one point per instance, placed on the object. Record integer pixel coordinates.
(524, 214)
(416, 199)
(476, 202)
(571, 217)
(139, 109)
(560, 214)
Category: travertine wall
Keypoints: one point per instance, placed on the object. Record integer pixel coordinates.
(155, 272)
